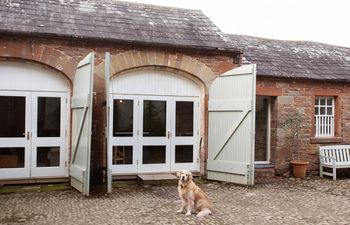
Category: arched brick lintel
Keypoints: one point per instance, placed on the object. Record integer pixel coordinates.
(132, 60)
(45, 55)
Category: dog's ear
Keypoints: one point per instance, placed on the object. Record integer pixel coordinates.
(190, 175)
(178, 174)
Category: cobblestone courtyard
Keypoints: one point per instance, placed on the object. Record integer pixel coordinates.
(286, 201)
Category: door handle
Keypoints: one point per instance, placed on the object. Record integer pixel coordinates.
(168, 134)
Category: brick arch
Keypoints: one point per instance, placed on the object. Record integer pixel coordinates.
(136, 59)
(45, 55)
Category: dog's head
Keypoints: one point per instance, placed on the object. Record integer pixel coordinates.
(184, 175)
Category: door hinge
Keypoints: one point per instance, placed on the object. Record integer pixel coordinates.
(137, 132)
(137, 162)
(65, 164)
(138, 102)
(66, 100)
(197, 160)
(65, 133)
(198, 104)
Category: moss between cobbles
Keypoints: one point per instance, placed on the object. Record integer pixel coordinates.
(36, 188)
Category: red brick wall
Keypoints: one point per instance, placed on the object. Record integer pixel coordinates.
(64, 55)
(299, 95)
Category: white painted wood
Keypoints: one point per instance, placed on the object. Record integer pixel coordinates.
(334, 156)
(124, 141)
(188, 140)
(13, 173)
(232, 126)
(108, 120)
(30, 80)
(324, 122)
(137, 141)
(154, 141)
(27, 77)
(81, 125)
(154, 83)
(60, 141)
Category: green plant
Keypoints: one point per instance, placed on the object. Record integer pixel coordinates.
(292, 125)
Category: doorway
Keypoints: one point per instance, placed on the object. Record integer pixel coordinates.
(152, 134)
(32, 134)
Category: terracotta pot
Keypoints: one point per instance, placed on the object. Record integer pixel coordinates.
(299, 168)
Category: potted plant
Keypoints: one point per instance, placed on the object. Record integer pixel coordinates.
(292, 125)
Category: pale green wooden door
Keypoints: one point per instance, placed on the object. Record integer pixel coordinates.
(232, 126)
(81, 125)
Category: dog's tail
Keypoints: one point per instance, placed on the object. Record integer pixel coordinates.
(204, 212)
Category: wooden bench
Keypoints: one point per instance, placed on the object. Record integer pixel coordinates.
(335, 157)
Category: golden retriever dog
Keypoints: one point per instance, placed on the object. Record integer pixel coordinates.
(192, 196)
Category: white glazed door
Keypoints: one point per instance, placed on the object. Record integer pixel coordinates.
(48, 155)
(154, 134)
(15, 126)
(185, 133)
(123, 140)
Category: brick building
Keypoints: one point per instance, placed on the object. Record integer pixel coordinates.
(163, 57)
(308, 76)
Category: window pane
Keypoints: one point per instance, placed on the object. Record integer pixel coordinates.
(184, 154)
(48, 156)
(322, 101)
(329, 110)
(12, 116)
(322, 111)
(317, 100)
(329, 101)
(123, 116)
(153, 154)
(316, 111)
(49, 117)
(154, 118)
(184, 118)
(11, 157)
(122, 155)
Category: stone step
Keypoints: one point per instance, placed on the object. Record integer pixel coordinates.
(264, 175)
(153, 179)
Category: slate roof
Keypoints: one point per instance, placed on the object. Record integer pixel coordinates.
(295, 59)
(112, 20)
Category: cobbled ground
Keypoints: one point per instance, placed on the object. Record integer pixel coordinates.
(285, 201)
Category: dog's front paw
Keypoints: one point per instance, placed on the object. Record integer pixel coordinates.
(188, 213)
(180, 211)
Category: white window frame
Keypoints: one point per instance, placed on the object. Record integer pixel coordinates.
(324, 123)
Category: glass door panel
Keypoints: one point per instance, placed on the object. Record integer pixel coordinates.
(123, 117)
(14, 135)
(154, 118)
(48, 134)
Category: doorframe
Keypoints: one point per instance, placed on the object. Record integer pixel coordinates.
(135, 141)
(30, 128)
(268, 133)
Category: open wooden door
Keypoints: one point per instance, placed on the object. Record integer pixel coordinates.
(232, 126)
(81, 125)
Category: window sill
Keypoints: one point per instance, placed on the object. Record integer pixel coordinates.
(326, 140)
